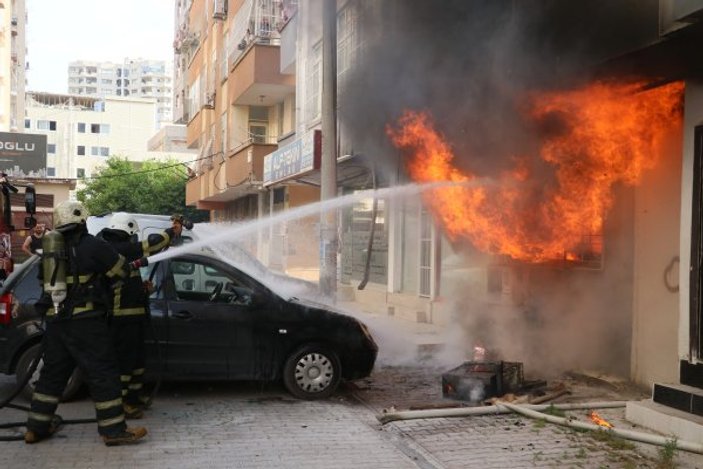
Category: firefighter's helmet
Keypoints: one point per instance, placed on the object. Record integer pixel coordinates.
(124, 222)
(68, 212)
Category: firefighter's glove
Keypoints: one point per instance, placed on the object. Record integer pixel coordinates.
(148, 287)
(141, 262)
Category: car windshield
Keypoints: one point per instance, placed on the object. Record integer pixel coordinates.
(235, 253)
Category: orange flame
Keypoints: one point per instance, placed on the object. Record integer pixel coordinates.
(610, 134)
(593, 415)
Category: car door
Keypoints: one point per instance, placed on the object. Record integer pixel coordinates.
(201, 326)
(156, 335)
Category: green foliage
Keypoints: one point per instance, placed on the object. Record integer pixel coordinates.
(612, 440)
(667, 455)
(552, 410)
(156, 187)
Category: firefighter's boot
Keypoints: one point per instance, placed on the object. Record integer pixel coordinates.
(31, 437)
(128, 437)
(132, 411)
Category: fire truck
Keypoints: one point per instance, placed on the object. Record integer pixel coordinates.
(7, 189)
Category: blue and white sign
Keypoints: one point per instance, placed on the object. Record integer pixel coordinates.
(298, 157)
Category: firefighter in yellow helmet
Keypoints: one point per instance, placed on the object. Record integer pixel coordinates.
(77, 269)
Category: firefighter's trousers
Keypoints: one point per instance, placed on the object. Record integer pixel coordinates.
(128, 339)
(85, 343)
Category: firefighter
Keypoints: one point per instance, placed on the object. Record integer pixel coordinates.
(129, 308)
(178, 222)
(76, 268)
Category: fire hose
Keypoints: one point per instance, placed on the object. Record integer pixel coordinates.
(532, 411)
(7, 402)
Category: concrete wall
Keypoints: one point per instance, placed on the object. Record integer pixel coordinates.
(657, 276)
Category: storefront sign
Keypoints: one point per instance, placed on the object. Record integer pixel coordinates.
(24, 153)
(298, 157)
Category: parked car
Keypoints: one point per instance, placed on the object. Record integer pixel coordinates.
(211, 321)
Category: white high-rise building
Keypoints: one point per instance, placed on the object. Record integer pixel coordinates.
(132, 78)
(83, 132)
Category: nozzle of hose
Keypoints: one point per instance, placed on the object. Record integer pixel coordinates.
(141, 262)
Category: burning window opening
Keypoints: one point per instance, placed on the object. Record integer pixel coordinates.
(587, 254)
(608, 134)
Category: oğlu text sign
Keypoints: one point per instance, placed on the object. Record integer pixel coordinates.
(26, 152)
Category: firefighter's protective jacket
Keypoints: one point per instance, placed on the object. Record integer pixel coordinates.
(91, 267)
(129, 296)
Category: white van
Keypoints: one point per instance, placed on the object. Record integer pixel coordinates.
(148, 224)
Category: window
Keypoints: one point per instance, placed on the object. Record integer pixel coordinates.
(81, 127)
(313, 84)
(359, 224)
(80, 150)
(80, 173)
(100, 128)
(257, 132)
(51, 172)
(426, 253)
(100, 151)
(27, 123)
(46, 125)
(347, 39)
(195, 281)
(51, 148)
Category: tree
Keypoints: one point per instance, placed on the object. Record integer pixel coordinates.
(156, 187)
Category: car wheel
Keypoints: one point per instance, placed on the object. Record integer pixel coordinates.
(312, 372)
(75, 382)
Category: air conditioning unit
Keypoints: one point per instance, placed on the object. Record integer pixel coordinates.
(220, 9)
(210, 100)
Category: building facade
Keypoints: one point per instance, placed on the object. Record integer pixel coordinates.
(82, 132)
(13, 19)
(136, 78)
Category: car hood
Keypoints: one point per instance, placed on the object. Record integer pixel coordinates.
(312, 304)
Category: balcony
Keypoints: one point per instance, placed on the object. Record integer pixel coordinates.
(257, 77)
(242, 174)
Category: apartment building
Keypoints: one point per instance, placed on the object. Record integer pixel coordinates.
(82, 132)
(136, 78)
(13, 18)
(238, 104)
(629, 301)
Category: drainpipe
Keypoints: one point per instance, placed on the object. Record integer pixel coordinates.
(627, 434)
(532, 411)
(489, 410)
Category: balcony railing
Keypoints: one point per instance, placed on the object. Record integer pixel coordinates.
(256, 22)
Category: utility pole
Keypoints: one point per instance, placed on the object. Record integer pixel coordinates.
(328, 170)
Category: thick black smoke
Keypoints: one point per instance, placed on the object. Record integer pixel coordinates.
(472, 62)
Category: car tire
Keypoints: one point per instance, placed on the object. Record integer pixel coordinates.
(75, 382)
(312, 372)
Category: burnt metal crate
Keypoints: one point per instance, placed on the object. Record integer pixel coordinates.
(475, 381)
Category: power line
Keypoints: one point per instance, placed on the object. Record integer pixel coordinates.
(153, 170)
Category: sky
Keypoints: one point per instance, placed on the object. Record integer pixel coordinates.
(59, 32)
